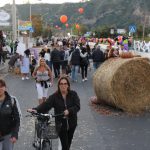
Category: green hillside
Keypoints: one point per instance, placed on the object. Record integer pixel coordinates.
(114, 13)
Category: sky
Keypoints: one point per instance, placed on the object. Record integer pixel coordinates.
(2, 3)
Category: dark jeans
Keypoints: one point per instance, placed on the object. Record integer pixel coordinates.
(0, 57)
(49, 63)
(96, 64)
(32, 67)
(66, 137)
(84, 69)
(56, 67)
(3, 55)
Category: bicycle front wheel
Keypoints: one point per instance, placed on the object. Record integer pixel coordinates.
(47, 145)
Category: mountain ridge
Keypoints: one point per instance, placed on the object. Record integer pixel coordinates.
(114, 13)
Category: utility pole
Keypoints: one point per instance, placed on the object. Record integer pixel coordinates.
(145, 14)
(14, 20)
(143, 35)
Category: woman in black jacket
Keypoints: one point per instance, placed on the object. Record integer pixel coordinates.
(66, 101)
(9, 119)
(84, 62)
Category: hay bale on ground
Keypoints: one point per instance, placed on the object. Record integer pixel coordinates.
(124, 83)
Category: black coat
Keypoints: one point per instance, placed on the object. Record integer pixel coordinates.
(55, 55)
(75, 58)
(57, 102)
(98, 56)
(9, 118)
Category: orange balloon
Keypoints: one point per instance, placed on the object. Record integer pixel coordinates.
(77, 26)
(81, 10)
(67, 25)
(63, 18)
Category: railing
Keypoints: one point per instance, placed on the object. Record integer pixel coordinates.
(141, 46)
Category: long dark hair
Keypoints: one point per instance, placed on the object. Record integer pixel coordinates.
(63, 78)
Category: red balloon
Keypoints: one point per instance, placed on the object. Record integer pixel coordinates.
(63, 18)
(77, 26)
(81, 10)
(67, 25)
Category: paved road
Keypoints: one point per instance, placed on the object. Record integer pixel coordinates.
(94, 131)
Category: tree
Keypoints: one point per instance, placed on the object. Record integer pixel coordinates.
(37, 25)
(47, 32)
(140, 31)
(102, 31)
(82, 29)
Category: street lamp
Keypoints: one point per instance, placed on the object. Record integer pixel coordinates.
(14, 20)
(31, 9)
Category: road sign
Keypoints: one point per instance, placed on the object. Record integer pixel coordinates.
(31, 30)
(112, 31)
(132, 28)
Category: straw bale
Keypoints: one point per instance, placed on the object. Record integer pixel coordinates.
(124, 83)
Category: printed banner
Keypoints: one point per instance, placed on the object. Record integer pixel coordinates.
(4, 18)
(24, 25)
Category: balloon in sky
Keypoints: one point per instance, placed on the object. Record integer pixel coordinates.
(77, 26)
(63, 18)
(67, 25)
(81, 10)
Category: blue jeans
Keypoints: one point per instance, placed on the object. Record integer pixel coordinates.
(96, 65)
(6, 144)
(49, 63)
(74, 72)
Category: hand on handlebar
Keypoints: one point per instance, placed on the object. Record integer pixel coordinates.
(31, 110)
(66, 112)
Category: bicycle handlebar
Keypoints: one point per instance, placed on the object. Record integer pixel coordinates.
(45, 115)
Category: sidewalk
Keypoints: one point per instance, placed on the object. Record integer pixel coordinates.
(4, 68)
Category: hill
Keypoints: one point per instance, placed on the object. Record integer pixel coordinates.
(114, 13)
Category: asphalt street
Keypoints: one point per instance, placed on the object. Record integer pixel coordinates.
(94, 131)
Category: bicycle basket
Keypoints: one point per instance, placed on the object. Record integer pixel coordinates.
(47, 131)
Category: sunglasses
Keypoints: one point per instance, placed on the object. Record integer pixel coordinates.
(63, 83)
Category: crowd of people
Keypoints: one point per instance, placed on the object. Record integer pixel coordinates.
(64, 58)
(70, 56)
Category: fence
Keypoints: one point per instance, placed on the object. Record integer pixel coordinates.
(141, 46)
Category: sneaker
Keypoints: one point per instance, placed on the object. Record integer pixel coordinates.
(23, 78)
(27, 78)
(85, 79)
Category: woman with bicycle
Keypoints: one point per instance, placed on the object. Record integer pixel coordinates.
(44, 78)
(9, 118)
(66, 101)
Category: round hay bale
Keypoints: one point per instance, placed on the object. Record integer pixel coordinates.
(124, 83)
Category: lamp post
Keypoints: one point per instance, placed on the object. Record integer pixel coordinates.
(30, 15)
(31, 9)
(42, 18)
(14, 20)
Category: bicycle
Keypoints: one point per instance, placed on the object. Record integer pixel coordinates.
(45, 130)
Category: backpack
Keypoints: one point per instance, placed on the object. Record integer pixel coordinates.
(14, 101)
(84, 61)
